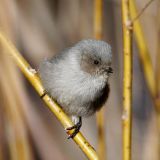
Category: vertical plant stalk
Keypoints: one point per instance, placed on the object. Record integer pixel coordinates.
(147, 65)
(15, 126)
(127, 80)
(157, 77)
(143, 50)
(157, 84)
(100, 115)
(34, 79)
(98, 19)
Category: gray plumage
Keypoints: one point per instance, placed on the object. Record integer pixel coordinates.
(77, 78)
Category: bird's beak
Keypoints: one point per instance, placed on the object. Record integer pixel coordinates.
(108, 70)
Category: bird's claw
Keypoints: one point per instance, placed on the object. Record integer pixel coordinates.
(76, 128)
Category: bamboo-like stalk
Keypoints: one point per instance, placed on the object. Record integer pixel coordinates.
(100, 115)
(127, 80)
(98, 19)
(157, 76)
(34, 79)
(146, 64)
(157, 83)
(15, 130)
(101, 135)
(143, 50)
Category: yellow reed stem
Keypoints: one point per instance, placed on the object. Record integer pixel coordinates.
(16, 135)
(101, 135)
(143, 50)
(98, 19)
(157, 76)
(127, 80)
(100, 115)
(157, 83)
(34, 79)
(1, 155)
(146, 62)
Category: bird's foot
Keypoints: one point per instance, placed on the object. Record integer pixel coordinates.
(76, 127)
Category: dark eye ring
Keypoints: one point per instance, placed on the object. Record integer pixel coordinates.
(96, 62)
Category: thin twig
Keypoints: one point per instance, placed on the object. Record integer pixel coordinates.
(142, 11)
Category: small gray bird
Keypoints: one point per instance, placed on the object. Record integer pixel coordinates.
(77, 78)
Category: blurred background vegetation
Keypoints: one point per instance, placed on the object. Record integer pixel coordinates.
(42, 28)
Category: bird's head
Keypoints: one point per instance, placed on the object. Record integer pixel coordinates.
(95, 58)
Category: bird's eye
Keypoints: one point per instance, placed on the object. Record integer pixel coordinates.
(96, 62)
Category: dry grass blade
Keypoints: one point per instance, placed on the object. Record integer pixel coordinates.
(127, 80)
(33, 78)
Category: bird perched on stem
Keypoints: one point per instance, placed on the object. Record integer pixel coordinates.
(77, 78)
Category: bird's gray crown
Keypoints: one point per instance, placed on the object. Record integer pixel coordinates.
(97, 48)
